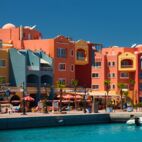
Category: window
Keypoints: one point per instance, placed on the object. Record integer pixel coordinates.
(113, 63)
(95, 75)
(97, 64)
(141, 87)
(62, 66)
(80, 55)
(62, 80)
(71, 53)
(95, 87)
(113, 86)
(61, 52)
(72, 68)
(2, 63)
(140, 75)
(124, 75)
(111, 75)
(109, 63)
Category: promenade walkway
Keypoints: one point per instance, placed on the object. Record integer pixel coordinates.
(40, 114)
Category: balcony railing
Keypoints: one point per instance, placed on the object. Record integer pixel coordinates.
(126, 66)
(46, 68)
(37, 84)
(33, 68)
(32, 84)
(80, 58)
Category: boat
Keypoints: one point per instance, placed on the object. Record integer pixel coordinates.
(135, 121)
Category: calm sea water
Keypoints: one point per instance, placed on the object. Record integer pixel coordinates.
(88, 133)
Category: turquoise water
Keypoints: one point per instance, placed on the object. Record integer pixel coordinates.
(88, 133)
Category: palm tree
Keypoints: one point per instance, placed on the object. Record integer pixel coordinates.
(74, 83)
(107, 88)
(60, 85)
(121, 86)
(132, 82)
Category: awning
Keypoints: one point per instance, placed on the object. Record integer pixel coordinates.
(44, 61)
(103, 94)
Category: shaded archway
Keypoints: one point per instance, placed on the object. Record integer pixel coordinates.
(15, 100)
(46, 79)
(81, 54)
(32, 80)
(126, 63)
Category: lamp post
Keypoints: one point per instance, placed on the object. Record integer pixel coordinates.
(23, 101)
(84, 100)
(61, 93)
(46, 97)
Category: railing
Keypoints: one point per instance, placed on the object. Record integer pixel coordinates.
(33, 68)
(32, 84)
(46, 68)
(36, 84)
(80, 58)
(126, 66)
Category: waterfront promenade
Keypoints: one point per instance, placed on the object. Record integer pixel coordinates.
(35, 120)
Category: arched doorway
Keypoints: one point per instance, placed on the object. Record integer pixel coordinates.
(15, 100)
(32, 80)
(46, 79)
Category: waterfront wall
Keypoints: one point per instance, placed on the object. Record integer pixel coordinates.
(63, 120)
(52, 121)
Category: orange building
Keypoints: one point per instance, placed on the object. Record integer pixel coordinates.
(4, 65)
(119, 65)
(60, 48)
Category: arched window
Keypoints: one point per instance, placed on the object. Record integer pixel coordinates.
(81, 54)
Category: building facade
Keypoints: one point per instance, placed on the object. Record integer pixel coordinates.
(4, 65)
(60, 48)
(119, 65)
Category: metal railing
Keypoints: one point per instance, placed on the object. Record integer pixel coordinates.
(33, 68)
(126, 66)
(45, 68)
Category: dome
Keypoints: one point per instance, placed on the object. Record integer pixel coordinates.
(27, 27)
(8, 26)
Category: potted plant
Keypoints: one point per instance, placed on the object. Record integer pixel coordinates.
(45, 106)
(129, 107)
(109, 106)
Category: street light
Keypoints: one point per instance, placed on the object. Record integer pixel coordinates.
(23, 101)
(46, 97)
(84, 100)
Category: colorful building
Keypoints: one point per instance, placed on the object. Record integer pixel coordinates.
(119, 65)
(35, 69)
(60, 48)
(84, 52)
(4, 65)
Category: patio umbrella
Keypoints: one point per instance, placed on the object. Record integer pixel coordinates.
(78, 97)
(68, 96)
(29, 98)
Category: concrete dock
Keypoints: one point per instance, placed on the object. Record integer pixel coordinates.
(35, 120)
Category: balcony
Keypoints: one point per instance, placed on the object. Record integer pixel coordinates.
(46, 68)
(127, 62)
(126, 66)
(33, 68)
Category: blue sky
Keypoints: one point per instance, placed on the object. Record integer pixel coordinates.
(111, 22)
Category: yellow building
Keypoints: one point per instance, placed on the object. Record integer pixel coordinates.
(4, 65)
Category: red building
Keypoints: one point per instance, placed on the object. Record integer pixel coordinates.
(83, 62)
